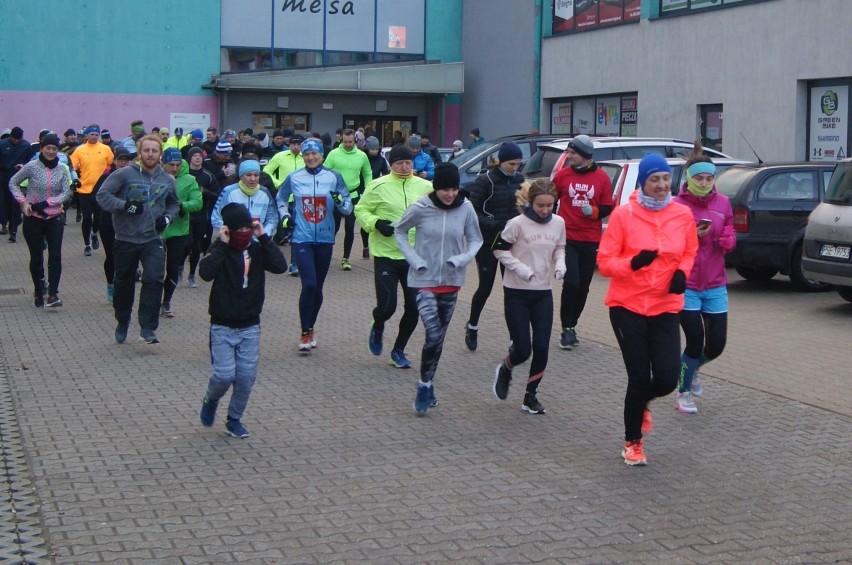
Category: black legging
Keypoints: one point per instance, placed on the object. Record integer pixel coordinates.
(580, 259)
(525, 309)
(91, 216)
(387, 274)
(36, 232)
(706, 334)
(348, 230)
(107, 241)
(175, 255)
(486, 268)
(650, 347)
(200, 232)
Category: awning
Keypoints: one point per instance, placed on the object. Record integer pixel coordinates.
(425, 78)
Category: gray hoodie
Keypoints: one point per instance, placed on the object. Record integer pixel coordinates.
(155, 191)
(439, 256)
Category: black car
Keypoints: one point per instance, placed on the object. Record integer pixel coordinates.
(771, 205)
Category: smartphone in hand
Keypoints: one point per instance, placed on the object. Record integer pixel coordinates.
(705, 223)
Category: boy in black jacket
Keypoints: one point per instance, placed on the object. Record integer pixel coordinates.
(237, 266)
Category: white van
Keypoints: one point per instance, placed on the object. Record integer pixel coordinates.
(828, 236)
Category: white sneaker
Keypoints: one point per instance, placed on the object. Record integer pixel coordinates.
(696, 389)
(685, 404)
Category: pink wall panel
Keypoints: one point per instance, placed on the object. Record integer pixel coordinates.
(60, 110)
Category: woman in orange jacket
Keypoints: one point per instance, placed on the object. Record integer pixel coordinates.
(647, 251)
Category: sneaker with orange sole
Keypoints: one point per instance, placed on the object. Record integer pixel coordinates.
(634, 453)
(647, 422)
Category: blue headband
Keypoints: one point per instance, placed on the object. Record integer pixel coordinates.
(702, 167)
(171, 155)
(312, 144)
(91, 129)
(250, 166)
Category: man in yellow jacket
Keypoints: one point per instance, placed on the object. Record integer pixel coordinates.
(90, 160)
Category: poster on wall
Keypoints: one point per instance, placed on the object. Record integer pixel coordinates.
(563, 15)
(583, 120)
(586, 14)
(608, 116)
(629, 115)
(631, 10)
(829, 120)
(560, 117)
(611, 12)
(189, 122)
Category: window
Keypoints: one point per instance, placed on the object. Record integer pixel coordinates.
(611, 115)
(678, 7)
(788, 186)
(582, 15)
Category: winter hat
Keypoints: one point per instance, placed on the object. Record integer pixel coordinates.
(16, 133)
(121, 152)
(288, 132)
(249, 166)
(223, 147)
(236, 216)
(446, 176)
(652, 164)
(312, 144)
(582, 145)
(106, 133)
(372, 143)
(192, 151)
(49, 138)
(231, 133)
(249, 132)
(137, 127)
(69, 131)
(178, 131)
(475, 131)
(458, 143)
(171, 155)
(360, 140)
(296, 139)
(414, 141)
(399, 152)
(249, 148)
(94, 128)
(196, 134)
(509, 151)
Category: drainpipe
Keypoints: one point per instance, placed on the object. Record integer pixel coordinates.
(536, 93)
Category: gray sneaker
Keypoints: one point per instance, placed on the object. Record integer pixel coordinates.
(502, 380)
(568, 339)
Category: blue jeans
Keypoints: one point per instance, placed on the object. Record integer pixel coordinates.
(436, 311)
(313, 260)
(233, 362)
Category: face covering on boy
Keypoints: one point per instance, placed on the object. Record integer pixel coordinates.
(240, 240)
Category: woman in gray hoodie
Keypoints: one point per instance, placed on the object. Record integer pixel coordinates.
(446, 239)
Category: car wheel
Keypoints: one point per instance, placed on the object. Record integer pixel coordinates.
(845, 292)
(756, 273)
(798, 278)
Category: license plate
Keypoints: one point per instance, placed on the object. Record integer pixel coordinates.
(837, 251)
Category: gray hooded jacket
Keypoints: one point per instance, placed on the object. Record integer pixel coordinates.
(154, 191)
(445, 241)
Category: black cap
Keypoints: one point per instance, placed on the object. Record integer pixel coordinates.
(69, 131)
(296, 138)
(121, 153)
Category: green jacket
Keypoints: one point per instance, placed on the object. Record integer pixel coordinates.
(282, 164)
(352, 166)
(189, 195)
(386, 198)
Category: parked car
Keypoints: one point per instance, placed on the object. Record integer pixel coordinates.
(771, 205)
(551, 157)
(828, 236)
(476, 161)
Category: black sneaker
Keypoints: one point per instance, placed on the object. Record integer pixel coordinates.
(470, 337)
(53, 301)
(235, 428)
(79, 215)
(502, 380)
(208, 412)
(121, 332)
(568, 339)
(532, 405)
(96, 243)
(38, 300)
(13, 237)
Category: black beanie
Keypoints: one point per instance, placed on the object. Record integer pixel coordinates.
(399, 152)
(17, 133)
(446, 176)
(193, 150)
(508, 152)
(236, 216)
(49, 139)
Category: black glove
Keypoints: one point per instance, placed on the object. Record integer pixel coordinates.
(162, 223)
(39, 207)
(678, 284)
(643, 259)
(384, 227)
(337, 197)
(286, 223)
(133, 207)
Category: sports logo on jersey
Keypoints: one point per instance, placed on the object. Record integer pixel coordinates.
(314, 209)
(581, 193)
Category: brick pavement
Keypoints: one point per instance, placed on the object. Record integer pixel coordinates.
(339, 469)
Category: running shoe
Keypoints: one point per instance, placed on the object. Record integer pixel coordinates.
(208, 412)
(190, 281)
(236, 429)
(647, 422)
(502, 380)
(470, 337)
(344, 264)
(421, 401)
(148, 336)
(696, 387)
(166, 310)
(532, 405)
(38, 300)
(365, 253)
(96, 243)
(634, 453)
(375, 340)
(305, 342)
(568, 339)
(53, 301)
(399, 360)
(685, 404)
(87, 252)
